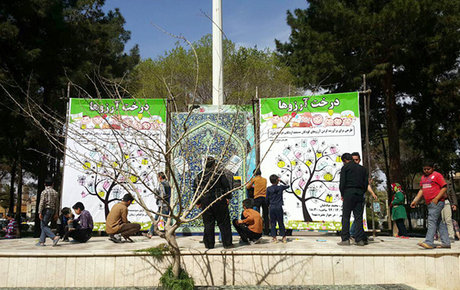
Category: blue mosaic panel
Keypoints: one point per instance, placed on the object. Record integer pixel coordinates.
(209, 134)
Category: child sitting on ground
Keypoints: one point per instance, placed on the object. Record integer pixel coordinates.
(250, 227)
(275, 204)
(65, 223)
(11, 230)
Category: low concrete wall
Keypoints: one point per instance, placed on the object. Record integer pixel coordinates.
(438, 269)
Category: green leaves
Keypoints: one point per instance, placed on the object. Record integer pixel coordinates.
(408, 49)
(189, 79)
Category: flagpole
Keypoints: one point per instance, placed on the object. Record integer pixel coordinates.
(217, 55)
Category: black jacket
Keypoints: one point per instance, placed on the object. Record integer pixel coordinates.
(218, 186)
(353, 177)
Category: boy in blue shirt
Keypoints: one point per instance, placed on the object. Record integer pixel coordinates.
(275, 202)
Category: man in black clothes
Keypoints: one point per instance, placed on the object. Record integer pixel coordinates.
(215, 186)
(353, 186)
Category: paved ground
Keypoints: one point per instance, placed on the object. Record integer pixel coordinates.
(312, 244)
(328, 287)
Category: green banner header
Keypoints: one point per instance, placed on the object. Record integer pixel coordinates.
(124, 107)
(342, 103)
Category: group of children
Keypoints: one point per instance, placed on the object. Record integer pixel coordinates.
(251, 226)
(80, 228)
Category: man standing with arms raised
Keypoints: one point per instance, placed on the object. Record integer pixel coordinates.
(353, 186)
(260, 192)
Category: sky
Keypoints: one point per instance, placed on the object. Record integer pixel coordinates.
(247, 23)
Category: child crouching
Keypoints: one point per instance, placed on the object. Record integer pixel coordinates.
(250, 227)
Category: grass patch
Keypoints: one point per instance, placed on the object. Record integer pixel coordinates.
(157, 252)
(183, 282)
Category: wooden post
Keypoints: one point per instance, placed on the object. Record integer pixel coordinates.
(168, 136)
(368, 155)
(255, 116)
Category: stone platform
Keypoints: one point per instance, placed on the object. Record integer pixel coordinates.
(305, 260)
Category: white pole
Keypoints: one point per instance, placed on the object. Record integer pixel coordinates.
(217, 56)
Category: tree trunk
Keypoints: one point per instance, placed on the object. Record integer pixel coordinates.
(106, 208)
(387, 168)
(19, 195)
(170, 237)
(306, 214)
(392, 127)
(43, 162)
(12, 180)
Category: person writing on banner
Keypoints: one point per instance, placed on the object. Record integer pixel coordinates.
(163, 198)
(275, 202)
(260, 192)
(357, 159)
(353, 185)
(117, 224)
(213, 189)
(433, 188)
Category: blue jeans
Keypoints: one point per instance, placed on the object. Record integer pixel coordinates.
(353, 230)
(276, 216)
(165, 211)
(435, 224)
(46, 231)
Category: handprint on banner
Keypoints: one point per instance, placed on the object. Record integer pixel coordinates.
(312, 169)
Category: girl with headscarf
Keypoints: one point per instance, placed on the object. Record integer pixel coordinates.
(398, 211)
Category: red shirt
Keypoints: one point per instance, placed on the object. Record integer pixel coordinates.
(431, 186)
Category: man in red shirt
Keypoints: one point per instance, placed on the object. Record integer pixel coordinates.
(433, 187)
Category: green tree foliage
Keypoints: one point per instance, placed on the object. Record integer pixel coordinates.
(189, 78)
(408, 49)
(44, 44)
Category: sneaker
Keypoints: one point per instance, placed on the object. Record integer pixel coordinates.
(370, 239)
(147, 235)
(114, 239)
(361, 243)
(243, 243)
(40, 244)
(425, 245)
(128, 239)
(231, 246)
(257, 241)
(55, 241)
(443, 246)
(344, 243)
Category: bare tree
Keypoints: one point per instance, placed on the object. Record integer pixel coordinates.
(127, 158)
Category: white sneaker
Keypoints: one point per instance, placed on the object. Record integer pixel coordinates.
(252, 242)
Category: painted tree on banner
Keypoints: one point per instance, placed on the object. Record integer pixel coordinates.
(312, 169)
